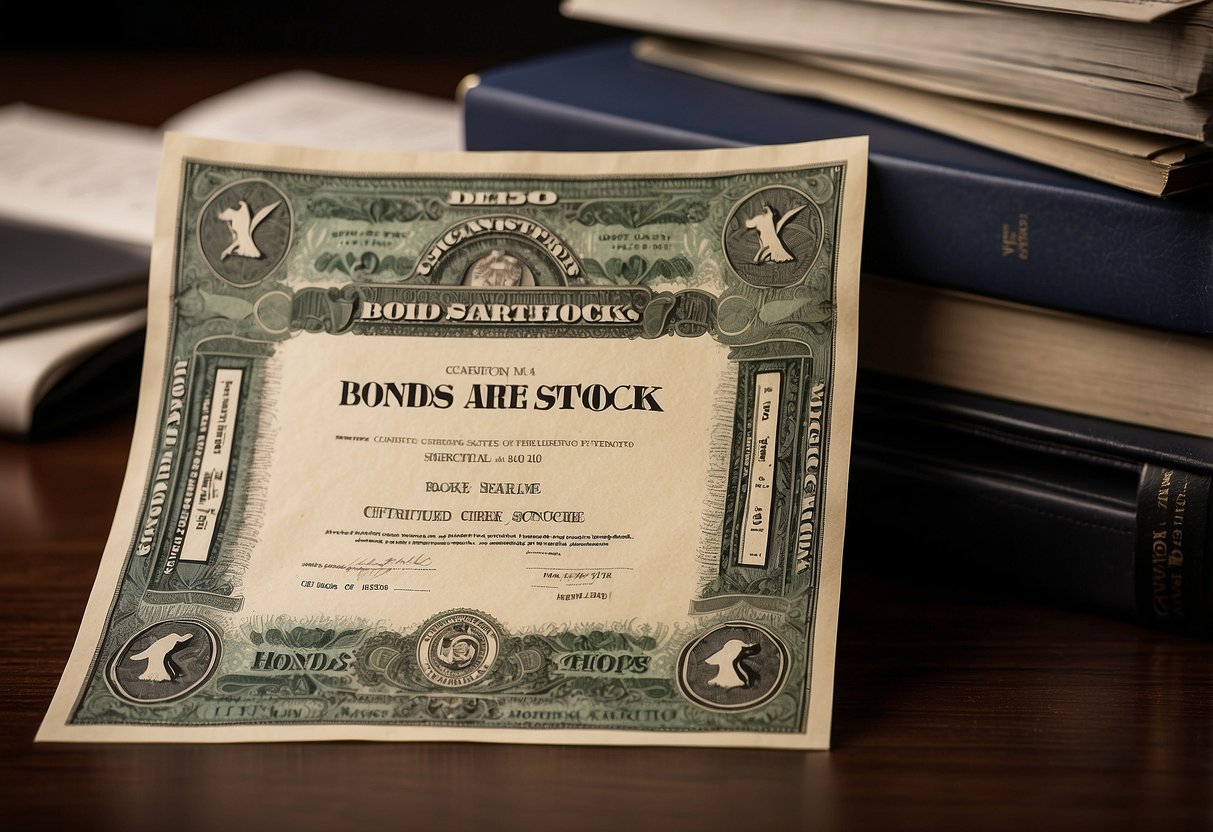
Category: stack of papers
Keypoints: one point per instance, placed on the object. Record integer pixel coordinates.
(77, 203)
(1119, 91)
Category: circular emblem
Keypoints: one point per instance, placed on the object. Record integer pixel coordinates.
(498, 270)
(734, 314)
(244, 231)
(458, 649)
(498, 251)
(163, 662)
(773, 237)
(733, 667)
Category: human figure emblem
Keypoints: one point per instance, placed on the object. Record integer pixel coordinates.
(160, 665)
(729, 661)
(734, 666)
(244, 231)
(773, 236)
(242, 223)
(164, 661)
(770, 247)
(499, 270)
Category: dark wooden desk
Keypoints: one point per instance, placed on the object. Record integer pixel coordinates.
(954, 708)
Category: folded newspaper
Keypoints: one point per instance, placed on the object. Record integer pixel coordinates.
(491, 447)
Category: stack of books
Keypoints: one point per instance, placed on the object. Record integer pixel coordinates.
(1112, 89)
(1036, 347)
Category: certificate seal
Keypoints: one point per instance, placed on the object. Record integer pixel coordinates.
(244, 231)
(733, 667)
(773, 237)
(166, 661)
(457, 649)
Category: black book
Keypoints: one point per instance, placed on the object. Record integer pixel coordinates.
(1101, 515)
(54, 276)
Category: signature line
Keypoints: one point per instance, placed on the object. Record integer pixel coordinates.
(583, 568)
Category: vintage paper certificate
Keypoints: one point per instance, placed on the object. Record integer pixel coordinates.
(545, 448)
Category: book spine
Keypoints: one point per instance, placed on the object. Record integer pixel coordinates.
(1132, 258)
(1173, 570)
(1076, 363)
(1096, 252)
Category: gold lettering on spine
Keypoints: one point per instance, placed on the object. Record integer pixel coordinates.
(1167, 547)
(1015, 240)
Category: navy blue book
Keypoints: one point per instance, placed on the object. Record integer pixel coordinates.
(939, 210)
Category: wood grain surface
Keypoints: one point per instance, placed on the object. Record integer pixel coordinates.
(956, 707)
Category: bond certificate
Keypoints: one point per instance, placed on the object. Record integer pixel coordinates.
(539, 448)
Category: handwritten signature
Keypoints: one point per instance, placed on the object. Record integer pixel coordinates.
(367, 568)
